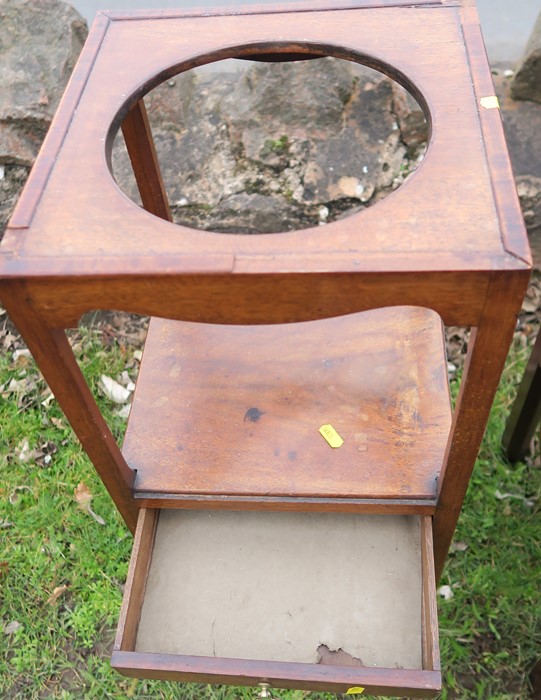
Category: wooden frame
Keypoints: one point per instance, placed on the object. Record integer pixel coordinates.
(450, 239)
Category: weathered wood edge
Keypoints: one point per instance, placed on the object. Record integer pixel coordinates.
(54, 356)
(141, 149)
(278, 262)
(487, 351)
(149, 499)
(279, 674)
(512, 227)
(288, 297)
(431, 648)
(134, 591)
(29, 200)
(277, 8)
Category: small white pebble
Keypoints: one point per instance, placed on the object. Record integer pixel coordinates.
(12, 627)
(365, 169)
(23, 352)
(2, 171)
(445, 592)
(509, 73)
(124, 412)
(359, 190)
(182, 202)
(323, 213)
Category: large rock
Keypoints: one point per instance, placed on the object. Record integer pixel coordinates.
(411, 119)
(529, 192)
(277, 147)
(522, 124)
(12, 179)
(39, 45)
(527, 81)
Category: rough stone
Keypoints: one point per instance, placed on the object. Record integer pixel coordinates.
(529, 192)
(522, 125)
(526, 84)
(411, 119)
(284, 139)
(12, 179)
(257, 212)
(296, 96)
(39, 45)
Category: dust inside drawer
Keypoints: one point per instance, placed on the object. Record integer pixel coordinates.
(299, 600)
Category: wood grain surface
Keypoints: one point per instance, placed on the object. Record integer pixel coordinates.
(146, 168)
(311, 677)
(236, 410)
(456, 227)
(258, 297)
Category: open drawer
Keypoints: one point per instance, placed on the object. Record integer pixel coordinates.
(315, 601)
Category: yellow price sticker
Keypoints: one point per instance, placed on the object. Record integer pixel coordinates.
(357, 690)
(331, 436)
(490, 102)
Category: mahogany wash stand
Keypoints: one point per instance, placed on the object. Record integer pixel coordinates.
(262, 554)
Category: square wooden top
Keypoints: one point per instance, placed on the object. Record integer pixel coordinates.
(459, 212)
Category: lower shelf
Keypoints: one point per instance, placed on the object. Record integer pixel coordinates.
(229, 416)
(315, 601)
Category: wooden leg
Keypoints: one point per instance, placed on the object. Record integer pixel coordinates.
(487, 352)
(52, 351)
(140, 145)
(526, 411)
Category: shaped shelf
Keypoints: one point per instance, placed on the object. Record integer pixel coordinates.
(230, 414)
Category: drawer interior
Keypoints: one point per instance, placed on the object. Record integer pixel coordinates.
(346, 593)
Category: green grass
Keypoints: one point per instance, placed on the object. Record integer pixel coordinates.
(490, 633)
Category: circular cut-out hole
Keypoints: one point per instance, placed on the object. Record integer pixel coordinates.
(270, 147)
